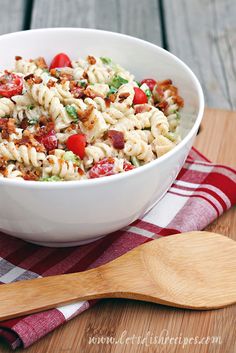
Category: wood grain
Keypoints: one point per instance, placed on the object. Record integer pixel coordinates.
(11, 17)
(129, 17)
(202, 33)
(146, 273)
(113, 317)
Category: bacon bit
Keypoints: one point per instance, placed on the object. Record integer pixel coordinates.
(54, 73)
(31, 175)
(11, 127)
(163, 106)
(40, 62)
(43, 120)
(51, 84)
(123, 96)
(107, 102)
(117, 138)
(91, 60)
(112, 97)
(17, 57)
(7, 127)
(24, 124)
(64, 77)
(85, 75)
(80, 171)
(141, 108)
(29, 141)
(77, 90)
(178, 100)
(88, 92)
(85, 114)
(31, 79)
(164, 84)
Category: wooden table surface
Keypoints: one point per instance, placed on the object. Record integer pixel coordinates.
(203, 34)
(123, 318)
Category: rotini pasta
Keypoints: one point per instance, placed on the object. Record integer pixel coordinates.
(86, 119)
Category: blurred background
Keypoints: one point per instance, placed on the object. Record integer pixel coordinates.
(200, 32)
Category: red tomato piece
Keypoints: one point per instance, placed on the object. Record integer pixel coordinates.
(150, 82)
(60, 60)
(128, 166)
(49, 140)
(105, 167)
(102, 168)
(76, 143)
(139, 96)
(10, 85)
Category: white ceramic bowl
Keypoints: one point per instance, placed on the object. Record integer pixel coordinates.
(77, 212)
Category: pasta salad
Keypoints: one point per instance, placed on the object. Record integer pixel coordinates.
(82, 119)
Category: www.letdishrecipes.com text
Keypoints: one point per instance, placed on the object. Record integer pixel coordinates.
(150, 339)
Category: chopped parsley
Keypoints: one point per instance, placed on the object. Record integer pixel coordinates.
(177, 115)
(117, 81)
(148, 93)
(138, 83)
(70, 156)
(33, 121)
(112, 90)
(51, 178)
(105, 60)
(30, 107)
(82, 83)
(72, 112)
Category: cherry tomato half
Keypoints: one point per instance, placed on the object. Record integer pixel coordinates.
(149, 82)
(139, 96)
(10, 85)
(60, 60)
(76, 143)
(49, 140)
(105, 167)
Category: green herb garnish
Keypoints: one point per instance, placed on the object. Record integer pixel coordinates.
(138, 83)
(30, 107)
(105, 60)
(82, 83)
(117, 81)
(51, 178)
(33, 121)
(177, 115)
(112, 90)
(70, 156)
(148, 93)
(72, 112)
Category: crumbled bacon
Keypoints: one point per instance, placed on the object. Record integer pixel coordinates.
(178, 100)
(117, 138)
(88, 92)
(107, 102)
(76, 90)
(123, 96)
(85, 75)
(29, 141)
(17, 57)
(7, 127)
(31, 175)
(40, 62)
(43, 120)
(91, 60)
(3, 165)
(31, 79)
(85, 114)
(51, 83)
(141, 108)
(163, 106)
(165, 84)
(24, 124)
(112, 97)
(80, 171)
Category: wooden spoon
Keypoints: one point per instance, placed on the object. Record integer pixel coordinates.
(195, 270)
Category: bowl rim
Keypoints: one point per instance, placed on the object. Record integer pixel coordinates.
(136, 171)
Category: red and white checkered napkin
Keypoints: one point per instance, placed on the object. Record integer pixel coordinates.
(200, 194)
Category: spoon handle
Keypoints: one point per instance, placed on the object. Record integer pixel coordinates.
(30, 296)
